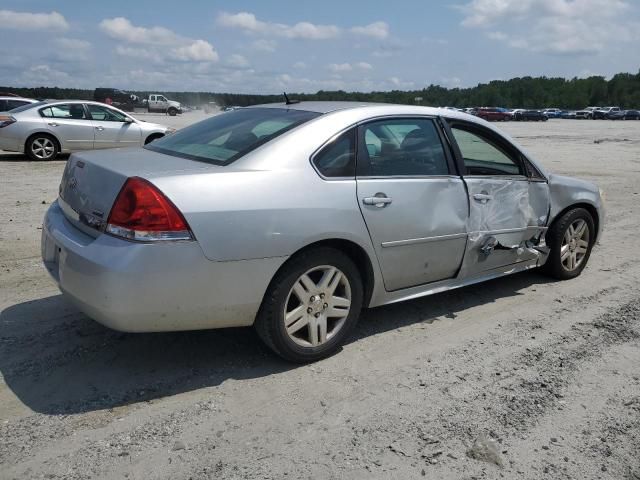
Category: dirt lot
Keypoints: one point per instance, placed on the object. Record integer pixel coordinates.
(520, 377)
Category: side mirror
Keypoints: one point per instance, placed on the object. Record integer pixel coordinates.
(128, 120)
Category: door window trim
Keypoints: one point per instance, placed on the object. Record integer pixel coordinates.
(496, 141)
(333, 138)
(360, 145)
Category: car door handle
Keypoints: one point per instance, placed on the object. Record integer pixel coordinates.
(380, 200)
(52, 124)
(100, 129)
(482, 197)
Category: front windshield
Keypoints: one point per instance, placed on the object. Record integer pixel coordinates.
(228, 136)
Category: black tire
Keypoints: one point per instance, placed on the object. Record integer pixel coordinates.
(270, 323)
(33, 147)
(152, 137)
(172, 112)
(554, 266)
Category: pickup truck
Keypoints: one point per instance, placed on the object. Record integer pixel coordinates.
(159, 103)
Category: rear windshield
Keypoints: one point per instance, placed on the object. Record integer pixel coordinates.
(27, 107)
(228, 136)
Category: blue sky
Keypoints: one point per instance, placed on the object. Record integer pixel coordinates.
(303, 46)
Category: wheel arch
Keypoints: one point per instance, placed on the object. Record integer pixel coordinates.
(43, 132)
(355, 252)
(593, 211)
(153, 136)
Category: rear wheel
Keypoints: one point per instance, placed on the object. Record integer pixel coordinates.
(311, 306)
(42, 147)
(570, 239)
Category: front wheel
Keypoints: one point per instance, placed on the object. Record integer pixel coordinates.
(311, 305)
(172, 112)
(570, 239)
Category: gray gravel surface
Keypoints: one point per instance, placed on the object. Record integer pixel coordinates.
(522, 377)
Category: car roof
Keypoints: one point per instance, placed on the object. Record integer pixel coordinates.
(6, 97)
(320, 107)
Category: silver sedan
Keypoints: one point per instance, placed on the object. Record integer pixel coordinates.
(293, 217)
(44, 129)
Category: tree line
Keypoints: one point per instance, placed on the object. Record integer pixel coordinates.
(623, 89)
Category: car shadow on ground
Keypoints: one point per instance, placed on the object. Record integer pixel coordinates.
(58, 361)
(21, 157)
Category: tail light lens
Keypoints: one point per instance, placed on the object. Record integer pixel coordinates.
(142, 212)
(6, 120)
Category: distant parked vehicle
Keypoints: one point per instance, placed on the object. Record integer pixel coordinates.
(530, 115)
(632, 114)
(570, 115)
(553, 112)
(605, 113)
(160, 103)
(614, 115)
(44, 129)
(493, 114)
(8, 103)
(117, 98)
(586, 113)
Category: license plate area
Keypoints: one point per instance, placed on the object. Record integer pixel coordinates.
(51, 255)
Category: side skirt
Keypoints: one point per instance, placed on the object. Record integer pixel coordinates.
(442, 286)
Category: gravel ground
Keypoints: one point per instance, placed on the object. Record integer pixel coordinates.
(521, 377)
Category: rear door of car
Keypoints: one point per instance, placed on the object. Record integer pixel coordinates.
(112, 129)
(70, 123)
(508, 199)
(412, 200)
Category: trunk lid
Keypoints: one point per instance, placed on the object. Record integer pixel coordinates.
(92, 180)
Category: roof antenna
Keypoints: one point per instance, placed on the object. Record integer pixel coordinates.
(287, 101)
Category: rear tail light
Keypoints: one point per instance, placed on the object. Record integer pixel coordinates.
(142, 212)
(6, 120)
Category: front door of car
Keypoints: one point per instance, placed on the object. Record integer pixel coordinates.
(413, 203)
(508, 209)
(112, 128)
(70, 124)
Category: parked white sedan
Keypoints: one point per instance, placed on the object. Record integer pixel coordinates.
(44, 129)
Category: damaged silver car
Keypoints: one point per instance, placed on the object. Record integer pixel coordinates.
(293, 217)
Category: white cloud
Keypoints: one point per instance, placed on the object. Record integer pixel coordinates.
(364, 65)
(197, 51)
(348, 67)
(122, 29)
(300, 65)
(173, 45)
(72, 44)
(340, 67)
(44, 75)
(237, 61)
(379, 30)
(249, 23)
(553, 26)
(53, 21)
(71, 49)
(263, 45)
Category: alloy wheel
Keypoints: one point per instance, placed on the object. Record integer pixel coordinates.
(317, 306)
(43, 148)
(575, 245)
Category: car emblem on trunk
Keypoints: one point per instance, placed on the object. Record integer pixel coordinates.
(73, 183)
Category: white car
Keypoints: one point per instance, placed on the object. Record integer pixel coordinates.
(43, 129)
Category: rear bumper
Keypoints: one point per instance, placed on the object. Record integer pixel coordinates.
(139, 287)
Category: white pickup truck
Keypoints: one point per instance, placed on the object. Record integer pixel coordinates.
(159, 103)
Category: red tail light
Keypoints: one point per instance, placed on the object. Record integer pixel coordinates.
(6, 120)
(142, 212)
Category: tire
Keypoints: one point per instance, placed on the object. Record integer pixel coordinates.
(312, 312)
(41, 147)
(172, 112)
(557, 238)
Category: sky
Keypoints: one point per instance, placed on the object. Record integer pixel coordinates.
(243, 46)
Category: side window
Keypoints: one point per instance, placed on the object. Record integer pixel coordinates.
(105, 114)
(3, 106)
(73, 111)
(482, 157)
(402, 147)
(11, 104)
(338, 158)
